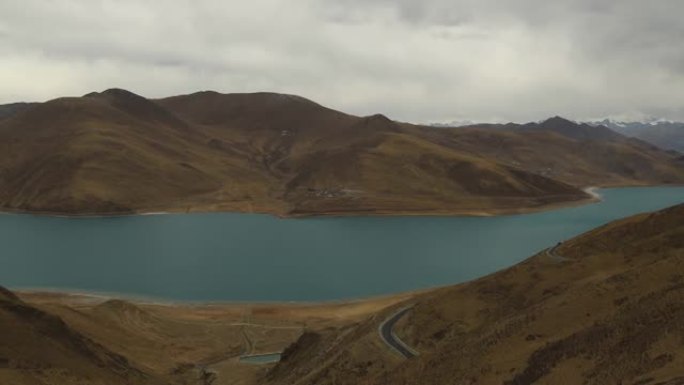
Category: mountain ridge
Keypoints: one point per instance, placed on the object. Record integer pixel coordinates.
(115, 152)
(662, 133)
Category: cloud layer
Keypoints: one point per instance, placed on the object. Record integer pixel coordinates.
(430, 60)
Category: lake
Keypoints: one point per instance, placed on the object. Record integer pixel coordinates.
(248, 257)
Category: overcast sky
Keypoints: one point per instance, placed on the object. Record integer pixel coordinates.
(413, 60)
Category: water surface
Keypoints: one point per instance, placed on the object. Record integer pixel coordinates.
(247, 257)
(261, 358)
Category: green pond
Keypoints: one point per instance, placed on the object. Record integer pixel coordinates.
(261, 358)
(247, 257)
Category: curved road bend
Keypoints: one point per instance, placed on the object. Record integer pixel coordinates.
(551, 253)
(388, 336)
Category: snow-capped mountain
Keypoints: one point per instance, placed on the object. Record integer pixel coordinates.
(663, 133)
(453, 123)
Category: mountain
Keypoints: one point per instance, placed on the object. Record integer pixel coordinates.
(557, 124)
(117, 152)
(578, 131)
(453, 123)
(39, 348)
(664, 134)
(603, 308)
(179, 344)
(7, 110)
(577, 154)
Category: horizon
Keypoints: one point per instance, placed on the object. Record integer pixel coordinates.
(624, 119)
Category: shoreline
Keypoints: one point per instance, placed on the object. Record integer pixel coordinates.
(95, 298)
(592, 197)
(448, 213)
(593, 191)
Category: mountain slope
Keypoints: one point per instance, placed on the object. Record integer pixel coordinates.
(7, 110)
(39, 348)
(117, 152)
(106, 153)
(666, 135)
(609, 311)
(577, 154)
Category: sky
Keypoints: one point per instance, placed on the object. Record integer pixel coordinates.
(412, 60)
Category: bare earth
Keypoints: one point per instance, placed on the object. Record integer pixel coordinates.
(199, 338)
(115, 152)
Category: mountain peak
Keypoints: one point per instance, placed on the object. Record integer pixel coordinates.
(574, 130)
(559, 120)
(378, 117)
(118, 93)
(136, 106)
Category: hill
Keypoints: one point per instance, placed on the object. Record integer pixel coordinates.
(577, 154)
(7, 110)
(667, 135)
(115, 152)
(181, 344)
(604, 308)
(39, 348)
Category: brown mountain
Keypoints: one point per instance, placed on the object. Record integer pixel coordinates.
(7, 110)
(117, 152)
(667, 135)
(604, 308)
(578, 154)
(39, 348)
(561, 126)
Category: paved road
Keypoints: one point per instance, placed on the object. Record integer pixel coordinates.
(388, 336)
(551, 253)
(249, 346)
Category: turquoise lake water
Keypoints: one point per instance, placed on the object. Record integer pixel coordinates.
(246, 257)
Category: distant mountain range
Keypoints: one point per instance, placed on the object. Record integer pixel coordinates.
(664, 134)
(117, 152)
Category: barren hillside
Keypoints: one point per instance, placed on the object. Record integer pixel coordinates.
(605, 308)
(116, 152)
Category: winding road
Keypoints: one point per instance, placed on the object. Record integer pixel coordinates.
(551, 253)
(389, 338)
(396, 344)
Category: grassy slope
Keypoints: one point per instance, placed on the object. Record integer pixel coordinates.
(116, 152)
(177, 344)
(39, 348)
(611, 161)
(609, 314)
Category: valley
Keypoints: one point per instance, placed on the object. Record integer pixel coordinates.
(602, 307)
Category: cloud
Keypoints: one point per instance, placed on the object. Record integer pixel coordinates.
(413, 60)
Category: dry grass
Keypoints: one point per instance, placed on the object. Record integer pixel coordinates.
(116, 152)
(612, 313)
